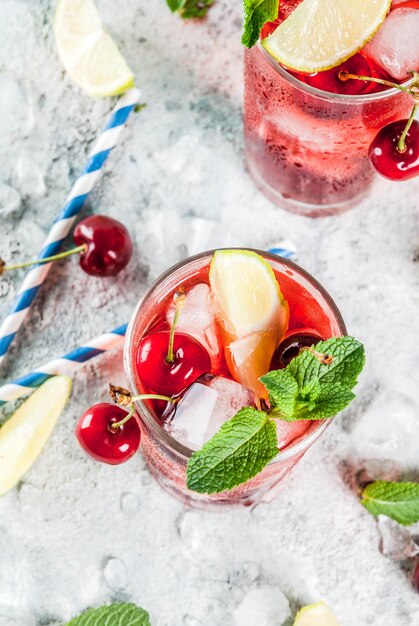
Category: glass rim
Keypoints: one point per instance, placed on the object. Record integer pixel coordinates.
(327, 95)
(294, 449)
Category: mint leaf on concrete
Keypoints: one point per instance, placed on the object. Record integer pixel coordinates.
(121, 614)
(238, 451)
(348, 361)
(400, 501)
(283, 392)
(256, 14)
(190, 8)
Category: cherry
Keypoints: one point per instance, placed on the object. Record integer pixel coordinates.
(190, 361)
(103, 442)
(330, 81)
(290, 347)
(108, 245)
(386, 156)
(104, 246)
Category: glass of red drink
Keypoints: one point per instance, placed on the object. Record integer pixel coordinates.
(312, 311)
(307, 136)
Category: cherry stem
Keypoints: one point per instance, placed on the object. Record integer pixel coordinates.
(346, 76)
(180, 298)
(143, 396)
(49, 259)
(401, 145)
(325, 359)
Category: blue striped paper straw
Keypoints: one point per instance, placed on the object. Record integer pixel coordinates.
(284, 248)
(64, 222)
(67, 364)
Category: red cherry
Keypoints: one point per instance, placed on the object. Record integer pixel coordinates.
(329, 80)
(290, 347)
(103, 443)
(387, 159)
(109, 246)
(191, 360)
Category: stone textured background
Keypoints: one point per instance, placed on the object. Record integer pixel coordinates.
(76, 534)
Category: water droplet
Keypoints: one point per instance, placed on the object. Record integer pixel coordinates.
(189, 620)
(130, 503)
(190, 530)
(115, 573)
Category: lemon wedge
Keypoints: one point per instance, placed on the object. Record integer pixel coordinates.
(251, 311)
(87, 51)
(321, 34)
(317, 614)
(25, 433)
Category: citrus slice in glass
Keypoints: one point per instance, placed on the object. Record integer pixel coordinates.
(87, 51)
(25, 433)
(321, 34)
(251, 311)
(317, 614)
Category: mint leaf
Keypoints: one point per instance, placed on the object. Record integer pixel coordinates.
(283, 391)
(329, 399)
(121, 614)
(400, 501)
(256, 14)
(190, 8)
(348, 362)
(237, 452)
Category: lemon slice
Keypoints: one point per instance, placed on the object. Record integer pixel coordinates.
(251, 311)
(321, 34)
(87, 52)
(317, 614)
(25, 433)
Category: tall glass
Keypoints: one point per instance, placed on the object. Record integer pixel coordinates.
(311, 310)
(307, 149)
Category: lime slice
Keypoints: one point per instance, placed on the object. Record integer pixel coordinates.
(252, 313)
(25, 433)
(87, 52)
(321, 34)
(317, 614)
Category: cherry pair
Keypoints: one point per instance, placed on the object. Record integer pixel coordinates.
(104, 246)
(166, 362)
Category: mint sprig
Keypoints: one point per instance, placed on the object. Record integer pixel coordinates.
(190, 8)
(237, 452)
(119, 614)
(400, 501)
(316, 385)
(256, 14)
(311, 388)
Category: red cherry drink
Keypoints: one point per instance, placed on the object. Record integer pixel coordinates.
(200, 378)
(307, 136)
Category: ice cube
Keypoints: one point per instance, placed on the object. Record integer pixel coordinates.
(205, 407)
(395, 47)
(389, 429)
(395, 541)
(9, 199)
(197, 319)
(29, 178)
(264, 606)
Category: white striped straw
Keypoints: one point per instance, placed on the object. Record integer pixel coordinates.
(64, 222)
